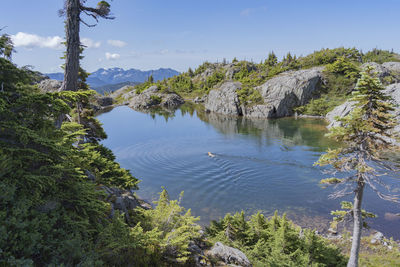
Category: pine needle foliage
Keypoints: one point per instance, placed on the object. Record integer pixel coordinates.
(274, 242)
(364, 134)
(175, 225)
(51, 213)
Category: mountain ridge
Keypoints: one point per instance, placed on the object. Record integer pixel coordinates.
(103, 77)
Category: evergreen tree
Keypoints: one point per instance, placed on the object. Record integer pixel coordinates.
(72, 10)
(272, 60)
(150, 79)
(190, 72)
(6, 46)
(364, 133)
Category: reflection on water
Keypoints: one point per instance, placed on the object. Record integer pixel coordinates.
(259, 165)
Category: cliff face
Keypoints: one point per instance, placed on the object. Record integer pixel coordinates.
(280, 95)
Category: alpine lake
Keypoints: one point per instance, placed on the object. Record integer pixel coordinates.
(256, 165)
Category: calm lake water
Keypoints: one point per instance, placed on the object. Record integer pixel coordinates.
(259, 165)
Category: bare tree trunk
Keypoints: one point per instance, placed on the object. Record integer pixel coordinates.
(73, 46)
(355, 245)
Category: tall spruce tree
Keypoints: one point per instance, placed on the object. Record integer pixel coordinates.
(364, 134)
(73, 10)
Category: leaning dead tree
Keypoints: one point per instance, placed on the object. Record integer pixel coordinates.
(73, 10)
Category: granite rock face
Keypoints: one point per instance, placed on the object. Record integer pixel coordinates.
(289, 90)
(392, 66)
(105, 101)
(225, 100)
(339, 111)
(380, 70)
(228, 255)
(49, 86)
(152, 97)
(280, 95)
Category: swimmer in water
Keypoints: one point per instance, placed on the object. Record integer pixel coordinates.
(211, 154)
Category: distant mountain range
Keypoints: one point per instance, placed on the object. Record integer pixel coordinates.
(101, 79)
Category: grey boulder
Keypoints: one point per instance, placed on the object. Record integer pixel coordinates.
(228, 255)
(152, 97)
(339, 111)
(289, 90)
(280, 95)
(49, 85)
(379, 69)
(392, 66)
(224, 100)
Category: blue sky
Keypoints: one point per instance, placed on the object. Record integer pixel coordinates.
(149, 34)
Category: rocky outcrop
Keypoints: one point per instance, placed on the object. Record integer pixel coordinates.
(152, 97)
(392, 66)
(392, 90)
(287, 91)
(225, 100)
(379, 69)
(340, 111)
(280, 94)
(228, 255)
(232, 69)
(49, 86)
(123, 201)
(104, 101)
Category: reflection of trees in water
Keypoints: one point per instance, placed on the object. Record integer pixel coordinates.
(290, 131)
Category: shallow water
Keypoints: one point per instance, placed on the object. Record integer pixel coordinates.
(259, 165)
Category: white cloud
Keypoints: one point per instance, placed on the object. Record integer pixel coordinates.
(89, 43)
(164, 51)
(110, 56)
(117, 43)
(22, 39)
(246, 12)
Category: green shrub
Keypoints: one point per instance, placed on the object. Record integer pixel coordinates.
(274, 242)
(380, 56)
(320, 106)
(175, 226)
(156, 99)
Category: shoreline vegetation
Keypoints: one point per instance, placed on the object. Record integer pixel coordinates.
(65, 202)
(340, 71)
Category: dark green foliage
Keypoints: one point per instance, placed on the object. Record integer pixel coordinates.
(214, 79)
(347, 212)
(380, 56)
(156, 99)
(328, 56)
(51, 213)
(274, 242)
(181, 83)
(202, 68)
(344, 66)
(321, 106)
(272, 59)
(6, 46)
(173, 225)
